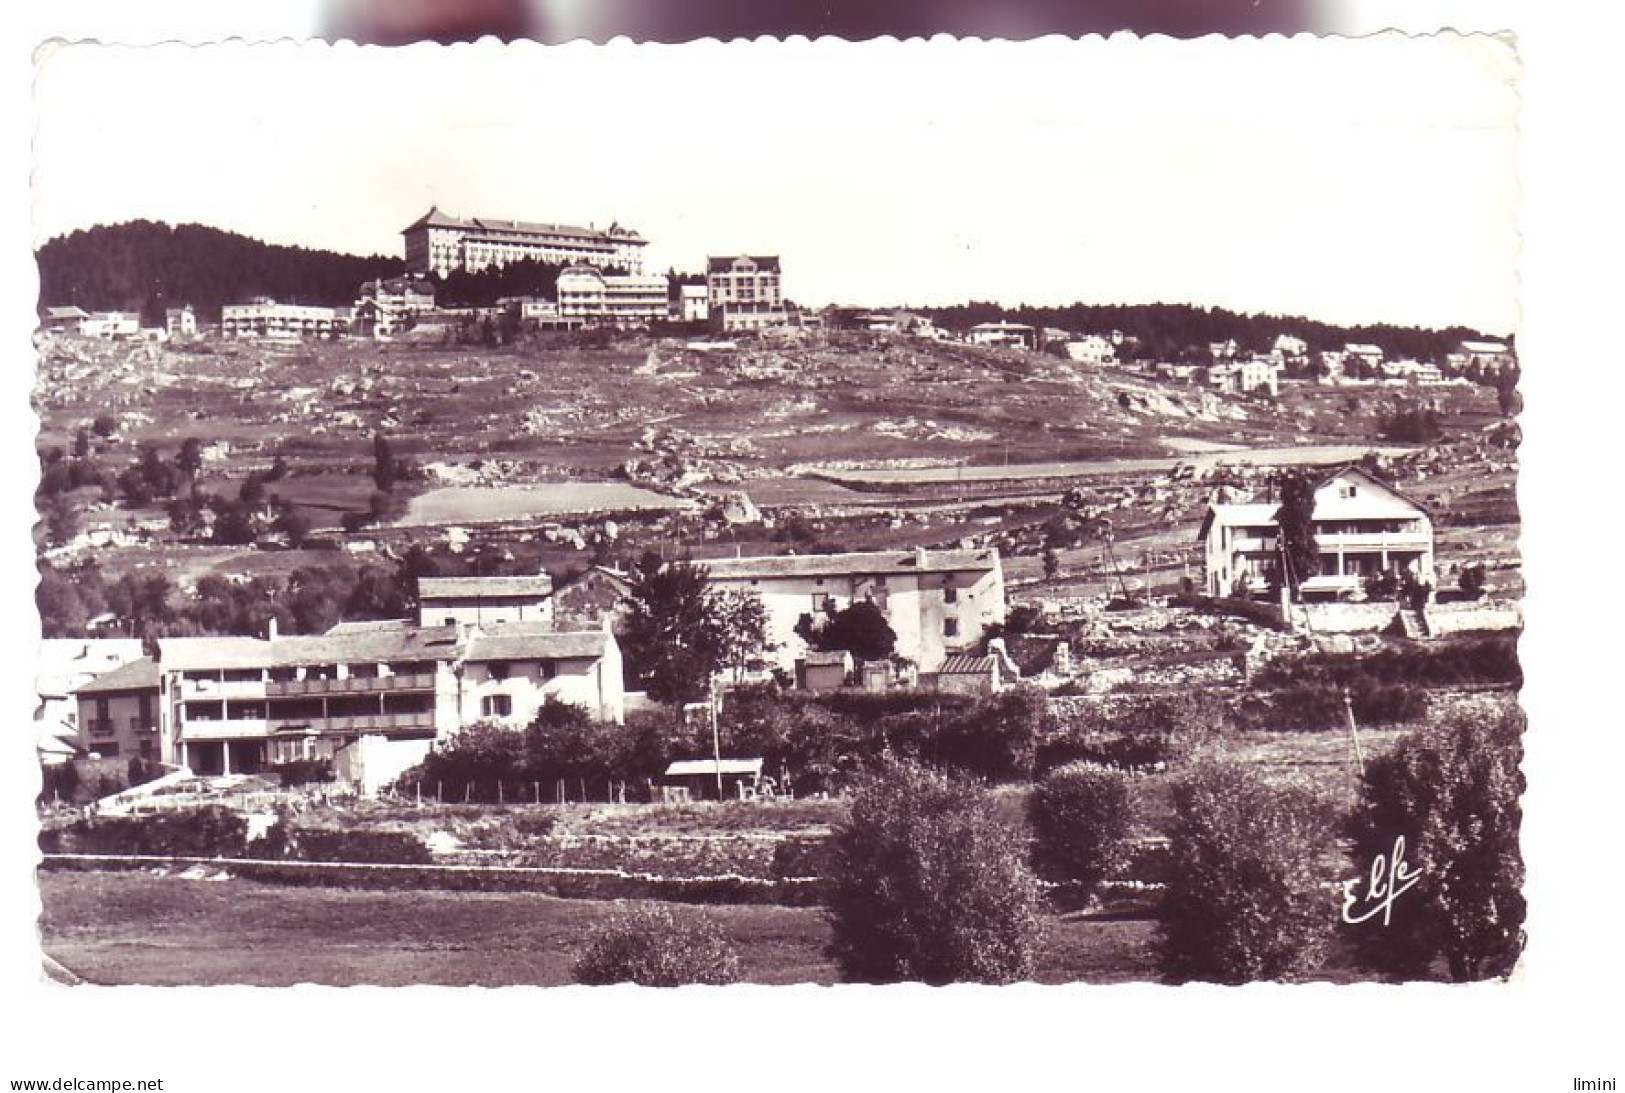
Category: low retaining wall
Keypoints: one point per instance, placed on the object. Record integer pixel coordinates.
(1348, 618)
(1456, 618)
(561, 881)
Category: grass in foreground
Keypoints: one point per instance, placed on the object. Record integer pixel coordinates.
(134, 928)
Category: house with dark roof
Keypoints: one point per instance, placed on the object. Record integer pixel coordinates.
(118, 712)
(937, 602)
(746, 292)
(1362, 526)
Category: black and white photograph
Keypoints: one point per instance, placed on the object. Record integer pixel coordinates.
(991, 531)
(1022, 517)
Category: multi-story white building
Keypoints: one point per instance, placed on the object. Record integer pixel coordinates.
(937, 602)
(1010, 335)
(111, 324)
(746, 292)
(389, 305)
(1362, 527)
(693, 303)
(612, 299)
(181, 322)
(1092, 349)
(265, 318)
(439, 243)
(235, 704)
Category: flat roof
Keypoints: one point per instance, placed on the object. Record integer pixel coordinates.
(853, 564)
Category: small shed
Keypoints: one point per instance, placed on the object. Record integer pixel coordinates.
(822, 672)
(696, 779)
(968, 675)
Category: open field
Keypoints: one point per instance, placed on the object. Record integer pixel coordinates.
(129, 928)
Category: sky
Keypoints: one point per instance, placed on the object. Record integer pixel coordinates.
(1349, 180)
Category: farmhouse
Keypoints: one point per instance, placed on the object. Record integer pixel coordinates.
(64, 320)
(118, 712)
(479, 601)
(235, 704)
(438, 243)
(937, 602)
(592, 601)
(1092, 349)
(1362, 527)
(62, 667)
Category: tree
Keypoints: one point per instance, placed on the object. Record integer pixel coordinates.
(861, 629)
(1081, 817)
(61, 519)
(233, 522)
(1451, 792)
(1299, 550)
(650, 946)
(81, 443)
(1052, 564)
(563, 740)
(105, 425)
(185, 516)
(997, 738)
(1246, 895)
(928, 882)
(673, 638)
(189, 460)
(742, 618)
(384, 468)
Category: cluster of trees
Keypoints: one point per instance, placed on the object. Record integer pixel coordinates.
(1172, 332)
(308, 601)
(859, 628)
(149, 266)
(1410, 424)
(678, 633)
(483, 288)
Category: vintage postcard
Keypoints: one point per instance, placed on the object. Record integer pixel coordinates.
(788, 513)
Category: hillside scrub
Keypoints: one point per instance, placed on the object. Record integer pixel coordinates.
(1451, 793)
(927, 882)
(1246, 896)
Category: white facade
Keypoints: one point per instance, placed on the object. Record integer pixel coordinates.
(111, 324)
(611, 299)
(937, 602)
(746, 292)
(268, 319)
(694, 303)
(1362, 527)
(475, 601)
(388, 306)
(1013, 335)
(181, 322)
(1092, 350)
(440, 243)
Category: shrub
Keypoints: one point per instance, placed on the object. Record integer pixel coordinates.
(649, 946)
(801, 857)
(360, 845)
(207, 832)
(1451, 791)
(1245, 897)
(997, 738)
(298, 772)
(1080, 819)
(926, 882)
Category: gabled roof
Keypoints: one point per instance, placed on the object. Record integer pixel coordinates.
(66, 313)
(1485, 347)
(1363, 349)
(1264, 513)
(535, 641)
(438, 588)
(138, 675)
(200, 654)
(850, 565)
(613, 577)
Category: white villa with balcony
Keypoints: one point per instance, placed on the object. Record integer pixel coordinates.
(236, 704)
(1362, 527)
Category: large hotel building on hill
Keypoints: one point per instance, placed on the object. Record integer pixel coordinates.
(439, 243)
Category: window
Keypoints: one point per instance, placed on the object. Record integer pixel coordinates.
(498, 670)
(496, 706)
(950, 594)
(950, 628)
(549, 669)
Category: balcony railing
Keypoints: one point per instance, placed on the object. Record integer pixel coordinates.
(1375, 540)
(101, 726)
(143, 725)
(383, 722)
(295, 688)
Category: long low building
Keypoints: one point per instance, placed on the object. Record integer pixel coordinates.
(237, 704)
(938, 602)
(265, 318)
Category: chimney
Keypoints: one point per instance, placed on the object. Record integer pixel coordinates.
(919, 557)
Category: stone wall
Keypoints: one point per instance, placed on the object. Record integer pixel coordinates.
(1455, 618)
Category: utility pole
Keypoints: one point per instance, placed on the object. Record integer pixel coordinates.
(716, 738)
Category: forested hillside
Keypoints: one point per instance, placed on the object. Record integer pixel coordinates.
(147, 267)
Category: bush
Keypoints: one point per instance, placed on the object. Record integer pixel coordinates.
(207, 832)
(926, 882)
(1452, 793)
(1137, 734)
(997, 738)
(298, 772)
(801, 857)
(361, 845)
(1246, 898)
(1080, 819)
(649, 946)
